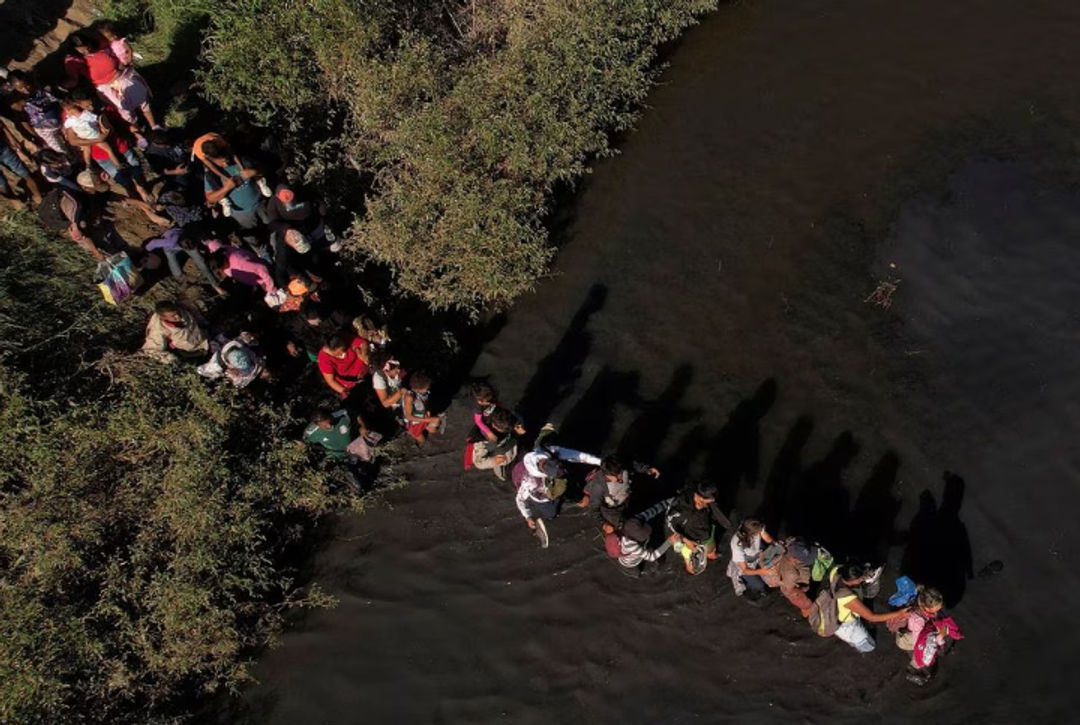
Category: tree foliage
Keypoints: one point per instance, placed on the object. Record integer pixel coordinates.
(466, 115)
(143, 513)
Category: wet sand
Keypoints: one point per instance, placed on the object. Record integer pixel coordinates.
(708, 313)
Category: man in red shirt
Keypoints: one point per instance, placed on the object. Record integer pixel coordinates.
(343, 362)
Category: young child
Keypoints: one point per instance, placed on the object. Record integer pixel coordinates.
(387, 380)
(128, 91)
(926, 632)
(485, 402)
(418, 420)
(500, 451)
(118, 45)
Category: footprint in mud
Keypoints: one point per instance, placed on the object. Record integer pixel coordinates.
(990, 569)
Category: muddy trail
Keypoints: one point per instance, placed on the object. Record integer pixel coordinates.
(711, 312)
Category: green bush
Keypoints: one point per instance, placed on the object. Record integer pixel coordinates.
(466, 115)
(141, 532)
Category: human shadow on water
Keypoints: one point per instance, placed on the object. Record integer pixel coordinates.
(676, 467)
(873, 517)
(643, 438)
(587, 425)
(783, 473)
(938, 551)
(735, 451)
(818, 508)
(557, 372)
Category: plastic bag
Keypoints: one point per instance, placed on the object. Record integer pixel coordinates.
(117, 278)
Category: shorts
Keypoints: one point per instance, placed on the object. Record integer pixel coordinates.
(416, 430)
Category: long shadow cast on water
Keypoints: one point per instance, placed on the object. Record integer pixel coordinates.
(819, 503)
(592, 418)
(873, 517)
(645, 435)
(783, 474)
(938, 551)
(735, 452)
(560, 369)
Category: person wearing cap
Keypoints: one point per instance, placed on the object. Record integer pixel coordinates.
(288, 207)
(633, 540)
(540, 477)
(691, 524)
(294, 256)
(174, 333)
(746, 547)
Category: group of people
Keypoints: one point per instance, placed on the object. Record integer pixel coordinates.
(258, 241)
(640, 525)
(255, 232)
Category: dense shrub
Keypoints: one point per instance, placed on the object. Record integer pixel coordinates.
(143, 513)
(466, 114)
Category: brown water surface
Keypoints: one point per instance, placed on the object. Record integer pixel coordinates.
(708, 313)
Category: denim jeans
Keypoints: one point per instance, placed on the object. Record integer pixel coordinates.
(854, 633)
(754, 583)
(177, 269)
(543, 509)
(122, 176)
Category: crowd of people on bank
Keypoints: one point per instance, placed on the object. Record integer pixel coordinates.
(256, 235)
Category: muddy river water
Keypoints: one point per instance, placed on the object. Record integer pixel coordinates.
(712, 311)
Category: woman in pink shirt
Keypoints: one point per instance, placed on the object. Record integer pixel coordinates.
(242, 265)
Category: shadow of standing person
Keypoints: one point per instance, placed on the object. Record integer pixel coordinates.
(557, 372)
(644, 437)
(875, 511)
(736, 450)
(819, 505)
(938, 551)
(783, 473)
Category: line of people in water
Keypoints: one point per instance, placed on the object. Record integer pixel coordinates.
(247, 237)
(639, 530)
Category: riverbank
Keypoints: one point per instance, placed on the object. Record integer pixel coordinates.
(708, 313)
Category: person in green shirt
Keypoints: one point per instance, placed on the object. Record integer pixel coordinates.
(333, 432)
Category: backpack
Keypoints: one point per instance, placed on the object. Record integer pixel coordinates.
(822, 565)
(813, 555)
(824, 618)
